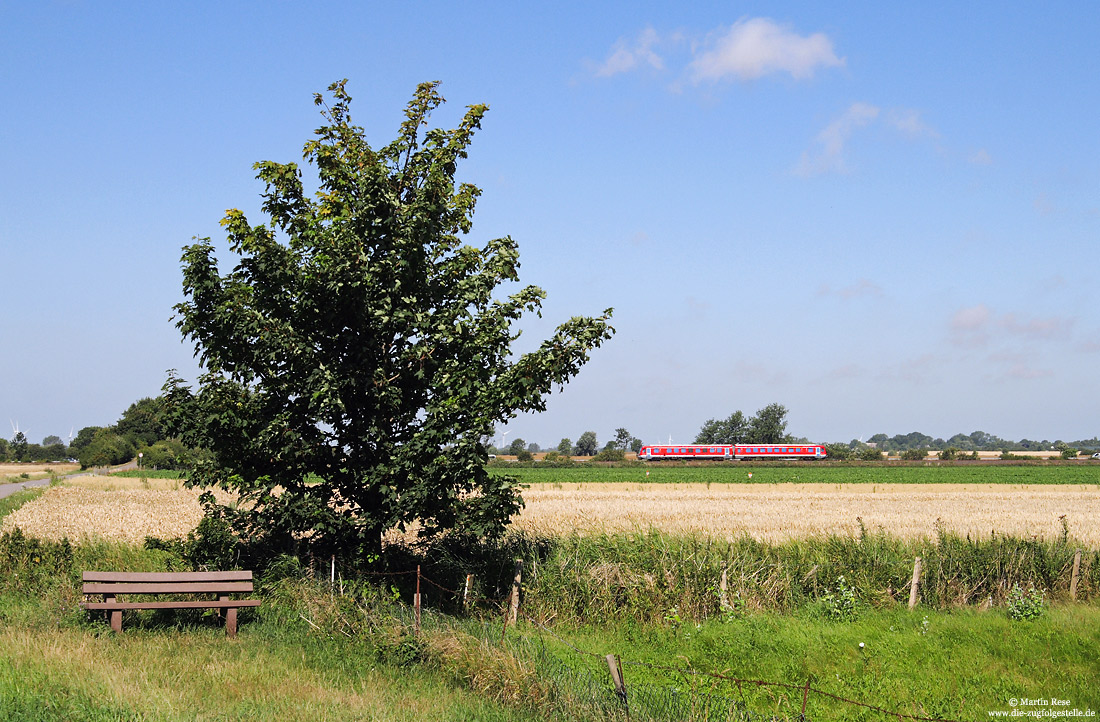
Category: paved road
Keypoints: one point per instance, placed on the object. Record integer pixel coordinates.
(9, 489)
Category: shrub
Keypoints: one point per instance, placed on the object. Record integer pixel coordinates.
(1024, 605)
(838, 452)
(609, 454)
(840, 606)
(870, 454)
(914, 454)
(949, 454)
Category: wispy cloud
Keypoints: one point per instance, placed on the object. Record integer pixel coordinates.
(749, 49)
(626, 55)
(834, 138)
(978, 326)
(909, 123)
(756, 47)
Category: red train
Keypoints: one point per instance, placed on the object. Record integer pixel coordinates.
(732, 452)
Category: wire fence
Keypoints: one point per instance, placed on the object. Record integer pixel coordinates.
(704, 695)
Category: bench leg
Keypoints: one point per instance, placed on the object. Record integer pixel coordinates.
(115, 615)
(231, 622)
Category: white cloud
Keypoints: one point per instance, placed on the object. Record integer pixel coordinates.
(978, 326)
(910, 124)
(628, 55)
(757, 47)
(833, 139)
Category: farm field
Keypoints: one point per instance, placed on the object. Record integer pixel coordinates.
(110, 507)
(129, 509)
(1083, 472)
(12, 473)
(778, 512)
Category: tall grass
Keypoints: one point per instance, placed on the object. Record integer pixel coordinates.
(641, 576)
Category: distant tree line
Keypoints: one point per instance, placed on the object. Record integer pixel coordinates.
(140, 430)
(975, 441)
(587, 445)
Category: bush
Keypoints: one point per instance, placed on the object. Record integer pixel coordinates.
(1024, 605)
(914, 454)
(167, 454)
(609, 454)
(838, 452)
(870, 454)
(840, 606)
(524, 455)
(106, 449)
(949, 454)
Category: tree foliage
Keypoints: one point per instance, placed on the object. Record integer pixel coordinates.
(360, 342)
(731, 430)
(768, 426)
(587, 444)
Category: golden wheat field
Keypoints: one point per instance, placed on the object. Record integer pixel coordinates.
(17, 469)
(111, 508)
(129, 509)
(786, 511)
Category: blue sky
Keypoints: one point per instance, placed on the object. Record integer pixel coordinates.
(885, 218)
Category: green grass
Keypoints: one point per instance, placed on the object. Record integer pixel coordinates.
(956, 665)
(151, 474)
(58, 662)
(810, 473)
(313, 653)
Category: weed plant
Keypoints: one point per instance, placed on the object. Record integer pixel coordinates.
(1023, 605)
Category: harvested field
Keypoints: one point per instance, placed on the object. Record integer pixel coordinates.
(111, 508)
(130, 509)
(785, 511)
(17, 469)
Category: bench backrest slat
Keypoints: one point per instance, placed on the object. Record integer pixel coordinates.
(235, 576)
(166, 588)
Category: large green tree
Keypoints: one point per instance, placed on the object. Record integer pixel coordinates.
(587, 444)
(732, 430)
(359, 352)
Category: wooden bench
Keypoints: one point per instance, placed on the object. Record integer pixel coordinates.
(222, 584)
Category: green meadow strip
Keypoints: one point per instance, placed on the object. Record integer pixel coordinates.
(808, 473)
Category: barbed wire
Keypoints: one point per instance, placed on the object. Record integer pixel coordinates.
(740, 682)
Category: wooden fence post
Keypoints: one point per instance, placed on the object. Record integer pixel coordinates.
(416, 604)
(914, 587)
(616, 666)
(1076, 575)
(466, 591)
(516, 581)
(723, 587)
(805, 698)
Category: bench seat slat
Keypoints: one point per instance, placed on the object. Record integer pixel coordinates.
(166, 588)
(173, 605)
(232, 576)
